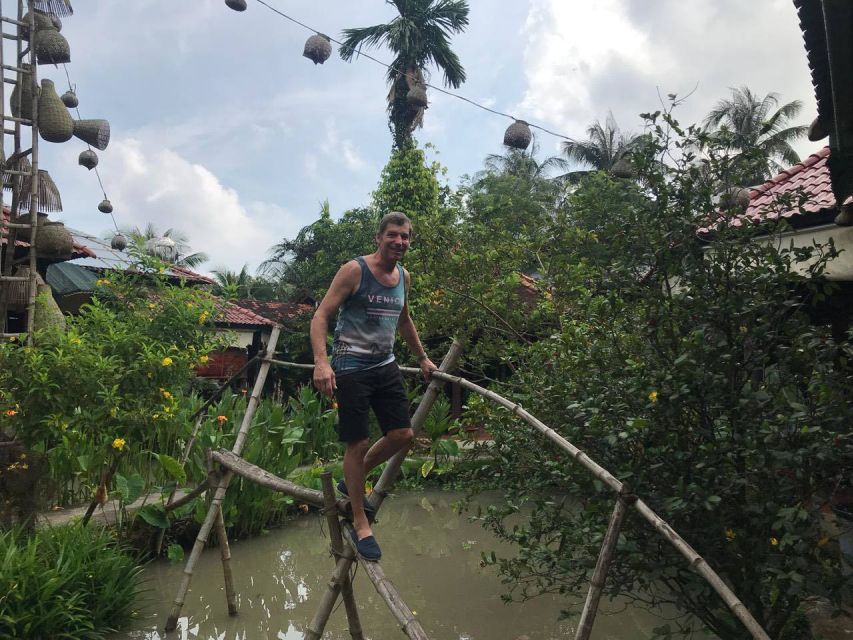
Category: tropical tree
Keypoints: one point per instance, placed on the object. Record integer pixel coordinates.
(523, 163)
(171, 246)
(604, 147)
(758, 132)
(418, 37)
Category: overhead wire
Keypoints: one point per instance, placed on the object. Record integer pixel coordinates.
(402, 72)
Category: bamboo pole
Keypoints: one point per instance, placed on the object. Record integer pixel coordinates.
(388, 592)
(225, 554)
(342, 567)
(219, 494)
(602, 566)
(695, 560)
(337, 543)
(187, 498)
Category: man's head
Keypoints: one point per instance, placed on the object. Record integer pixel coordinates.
(394, 236)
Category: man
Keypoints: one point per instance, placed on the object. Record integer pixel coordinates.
(370, 296)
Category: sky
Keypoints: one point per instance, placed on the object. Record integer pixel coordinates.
(224, 132)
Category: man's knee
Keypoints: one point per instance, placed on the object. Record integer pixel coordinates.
(401, 437)
(358, 447)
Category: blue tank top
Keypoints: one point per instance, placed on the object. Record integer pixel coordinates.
(367, 323)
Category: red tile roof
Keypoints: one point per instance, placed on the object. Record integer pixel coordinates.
(275, 310)
(230, 313)
(812, 176)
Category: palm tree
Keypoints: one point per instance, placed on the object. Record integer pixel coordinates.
(758, 131)
(232, 285)
(522, 163)
(604, 147)
(170, 246)
(418, 37)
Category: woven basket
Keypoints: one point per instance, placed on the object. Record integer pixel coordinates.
(417, 97)
(69, 99)
(88, 159)
(735, 198)
(49, 198)
(51, 47)
(55, 123)
(237, 5)
(518, 135)
(93, 132)
(24, 89)
(119, 242)
(24, 218)
(105, 206)
(318, 48)
(18, 293)
(56, 7)
(43, 21)
(47, 313)
(623, 168)
(54, 241)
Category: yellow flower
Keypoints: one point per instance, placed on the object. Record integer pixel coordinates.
(730, 534)
(202, 317)
(166, 394)
(118, 444)
(102, 282)
(167, 361)
(653, 396)
(823, 541)
(203, 359)
(774, 542)
(221, 419)
(151, 305)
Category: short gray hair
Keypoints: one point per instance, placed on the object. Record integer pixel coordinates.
(394, 217)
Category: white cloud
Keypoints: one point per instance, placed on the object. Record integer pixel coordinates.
(154, 184)
(334, 147)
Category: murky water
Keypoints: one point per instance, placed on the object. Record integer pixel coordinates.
(430, 553)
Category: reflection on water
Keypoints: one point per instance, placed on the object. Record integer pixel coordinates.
(430, 553)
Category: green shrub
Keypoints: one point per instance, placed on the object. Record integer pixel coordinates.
(65, 582)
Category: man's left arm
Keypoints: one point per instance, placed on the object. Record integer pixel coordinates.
(409, 332)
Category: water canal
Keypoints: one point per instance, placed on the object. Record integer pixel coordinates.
(431, 553)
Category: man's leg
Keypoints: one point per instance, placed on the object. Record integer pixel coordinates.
(393, 441)
(354, 475)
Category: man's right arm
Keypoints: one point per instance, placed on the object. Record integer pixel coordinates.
(346, 281)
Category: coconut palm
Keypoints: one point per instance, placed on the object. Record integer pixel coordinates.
(523, 163)
(758, 131)
(230, 284)
(604, 147)
(170, 246)
(418, 37)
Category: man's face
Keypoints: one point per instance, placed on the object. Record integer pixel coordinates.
(394, 241)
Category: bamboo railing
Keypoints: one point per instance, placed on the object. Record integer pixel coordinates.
(345, 554)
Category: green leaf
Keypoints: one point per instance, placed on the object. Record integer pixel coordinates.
(175, 553)
(172, 467)
(129, 488)
(155, 515)
(426, 467)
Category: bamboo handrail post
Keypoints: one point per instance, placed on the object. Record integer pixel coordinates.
(337, 545)
(318, 622)
(392, 469)
(602, 566)
(219, 495)
(409, 624)
(225, 554)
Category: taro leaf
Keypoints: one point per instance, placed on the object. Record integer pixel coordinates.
(175, 553)
(154, 515)
(426, 467)
(85, 462)
(129, 487)
(172, 467)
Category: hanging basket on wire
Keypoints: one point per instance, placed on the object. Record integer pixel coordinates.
(318, 48)
(735, 198)
(237, 5)
(88, 159)
(69, 99)
(51, 47)
(518, 135)
(55, 123)
(54, 241)
(105, 206)
(56, 7)
(48, 195)
(623, 167)
(119, 242)
(21, 100)
(93, 132)
(417, 97)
